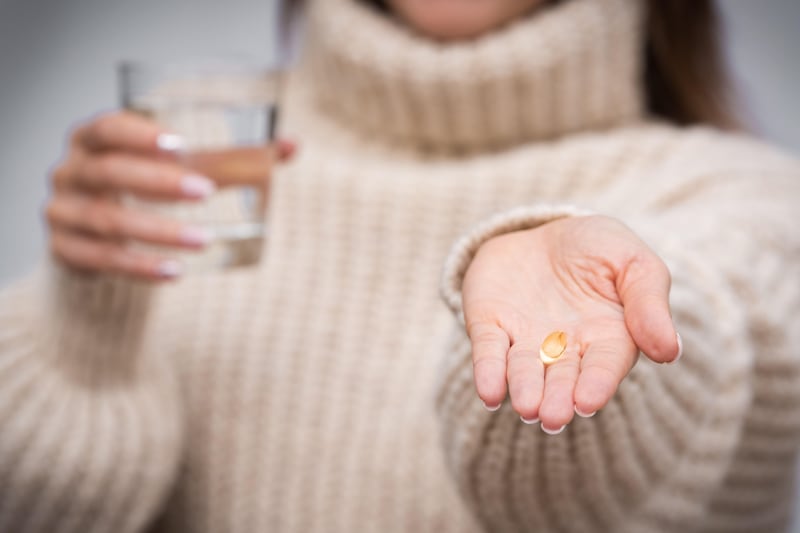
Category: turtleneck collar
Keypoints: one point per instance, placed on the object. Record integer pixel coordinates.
(567, 68)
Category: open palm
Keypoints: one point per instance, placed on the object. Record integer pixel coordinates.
(590, 277)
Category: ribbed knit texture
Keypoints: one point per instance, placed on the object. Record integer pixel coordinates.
(330, 389)
(573, 68)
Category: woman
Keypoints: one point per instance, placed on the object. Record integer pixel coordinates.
(329, 390)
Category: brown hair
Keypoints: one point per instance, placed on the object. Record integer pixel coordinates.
(686, 78)
(685, 75)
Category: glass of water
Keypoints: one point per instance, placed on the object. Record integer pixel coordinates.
(225, 115)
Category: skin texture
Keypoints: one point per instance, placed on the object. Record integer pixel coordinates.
(590, 277)
(449, 20)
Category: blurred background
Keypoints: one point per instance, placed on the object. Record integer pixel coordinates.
(57, 62)
(57, 67)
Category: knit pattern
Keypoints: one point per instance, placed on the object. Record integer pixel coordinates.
(577, 69)
(330, 389)
(681, 447)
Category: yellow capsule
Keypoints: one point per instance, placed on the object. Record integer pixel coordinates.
(553, 347)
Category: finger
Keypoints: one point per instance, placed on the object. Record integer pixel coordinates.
(643, 287)
(604, 365)
(558, 407)
(489, 349)
(285, 149)
(141, 176)
(112, 221)
(525, 379)
(85, 253)
(124, 130)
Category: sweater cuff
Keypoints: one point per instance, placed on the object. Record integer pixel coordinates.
(94, 296)
(465, 248)
(93, 325)
(92, 423)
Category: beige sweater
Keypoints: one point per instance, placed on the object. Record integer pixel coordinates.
(330, 389)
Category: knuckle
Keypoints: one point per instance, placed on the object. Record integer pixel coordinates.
(483, 335)
(103, 220)
(75, 136)
(604, 373)
(523, 349)
(481, 330)
(517, 352)
(560, 380)
(78, 134)
(487, 363)
(563, 371)
(104, 167)
(62, 250)
(485, 339)
(653, 262)
(103, 126)
(56, 245)
(51, 213)
(58, 254)
(60, 176)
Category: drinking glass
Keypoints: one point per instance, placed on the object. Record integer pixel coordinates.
(225, 115)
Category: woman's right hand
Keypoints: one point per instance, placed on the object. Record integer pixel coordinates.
(112, 155)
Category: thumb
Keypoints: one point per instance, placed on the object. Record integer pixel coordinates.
(643, 287)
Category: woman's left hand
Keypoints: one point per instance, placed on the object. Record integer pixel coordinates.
(590, 277)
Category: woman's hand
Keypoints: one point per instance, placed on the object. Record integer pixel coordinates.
(590, 277)
(115, 154)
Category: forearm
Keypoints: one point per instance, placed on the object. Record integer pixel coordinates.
(669, 433)
(91, 431)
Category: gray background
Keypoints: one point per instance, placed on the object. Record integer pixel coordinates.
(57, 66)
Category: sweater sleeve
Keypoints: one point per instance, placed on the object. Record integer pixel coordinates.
(713, 436)
(90, 433)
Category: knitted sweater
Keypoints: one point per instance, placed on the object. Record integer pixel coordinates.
(330, 389)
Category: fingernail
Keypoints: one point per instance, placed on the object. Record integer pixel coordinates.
(196, 186)
(194, 236)
(493, 408)
(530, 421)
(680, 349)
(584, 415)
(170, 142)
(170, 269)
(553, 431)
